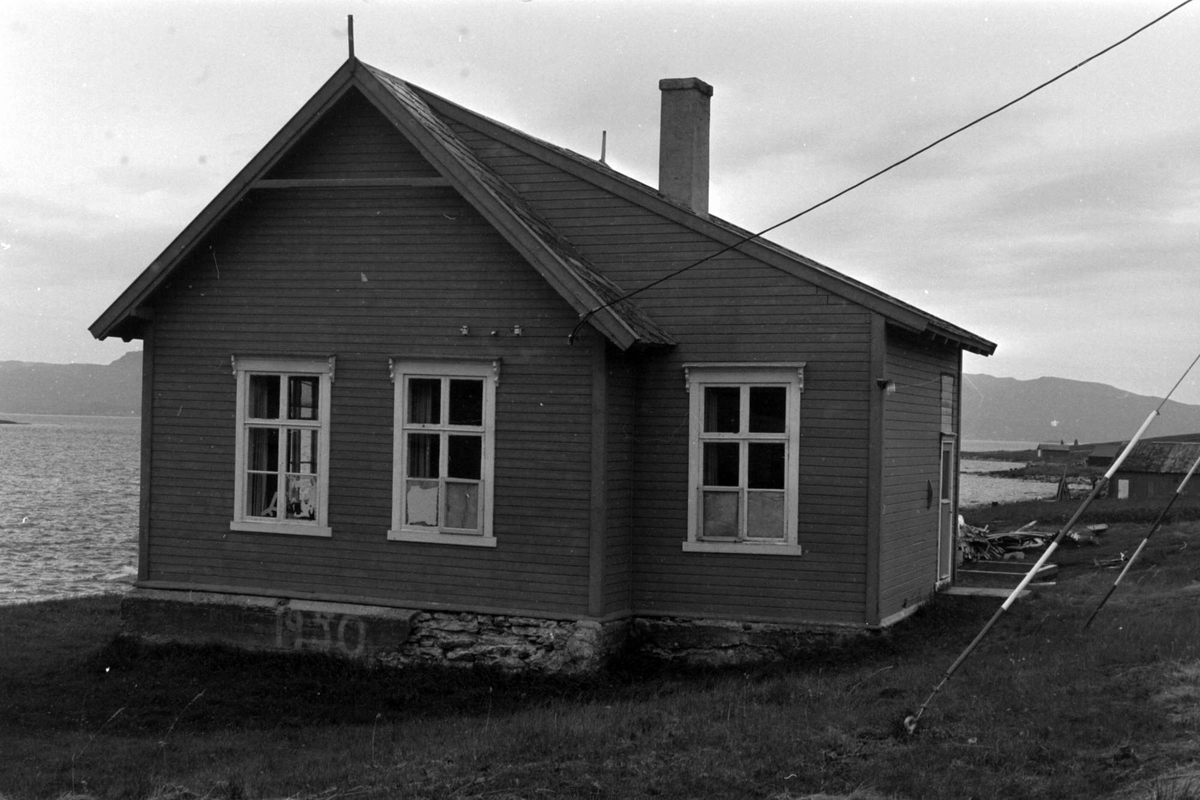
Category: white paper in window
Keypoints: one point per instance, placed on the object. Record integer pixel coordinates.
(421, 503)
(462, 506)
(720, 515)
(764, 515)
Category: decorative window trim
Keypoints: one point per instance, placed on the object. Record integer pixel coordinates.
(404, 369)
(699, 376)
(321, 367)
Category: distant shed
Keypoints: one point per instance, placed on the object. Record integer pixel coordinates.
(1102, 455)
(1154, 469)
(1054, 452)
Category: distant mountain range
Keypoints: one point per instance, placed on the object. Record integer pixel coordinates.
(86, 389)
(1059, 410)
(994, 409)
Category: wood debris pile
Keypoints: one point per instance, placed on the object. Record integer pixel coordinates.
(979, 544)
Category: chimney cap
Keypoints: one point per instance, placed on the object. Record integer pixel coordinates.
(671, 84)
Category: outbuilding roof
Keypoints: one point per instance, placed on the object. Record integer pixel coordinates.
(1162, 458)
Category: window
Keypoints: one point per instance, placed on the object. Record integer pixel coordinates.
(744, 458)
(948, 418)
(443, 449)
(282, 445)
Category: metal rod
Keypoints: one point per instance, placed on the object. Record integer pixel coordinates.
(910, 722)
(1153, 528)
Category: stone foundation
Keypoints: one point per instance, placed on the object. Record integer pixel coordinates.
(718, 643)
(400, 637)
(511, 643)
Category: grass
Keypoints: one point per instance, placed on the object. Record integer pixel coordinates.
(1040, 710)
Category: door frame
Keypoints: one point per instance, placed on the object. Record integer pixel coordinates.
(947, 506)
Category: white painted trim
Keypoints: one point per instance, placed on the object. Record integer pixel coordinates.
(433, 537)
(487, 369)
(321, 366)
(790, 375)
(289, 527)
(744, 548)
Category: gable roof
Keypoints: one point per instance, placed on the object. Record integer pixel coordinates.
(555, 259)
(1162, 458)
(897, 312)
(422, 117)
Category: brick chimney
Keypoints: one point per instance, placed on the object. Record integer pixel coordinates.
(683, 142)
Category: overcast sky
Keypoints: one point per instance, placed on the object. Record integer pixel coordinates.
(1066, 229)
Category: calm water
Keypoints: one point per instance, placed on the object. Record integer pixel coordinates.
(68, 506)
(976, 490)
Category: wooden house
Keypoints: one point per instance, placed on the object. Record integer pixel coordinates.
(1154, 469)
(1049, 451)
(397, 404)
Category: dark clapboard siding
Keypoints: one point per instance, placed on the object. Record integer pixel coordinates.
(730, 309)
(618, 555)
(912, 456)
(368, 273)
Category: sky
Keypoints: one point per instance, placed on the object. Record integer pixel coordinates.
(1066, 228)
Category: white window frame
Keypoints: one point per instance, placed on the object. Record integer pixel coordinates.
(320, 367)
(700, 376)
(404, 369)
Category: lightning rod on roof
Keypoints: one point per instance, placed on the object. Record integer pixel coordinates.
(350, 32)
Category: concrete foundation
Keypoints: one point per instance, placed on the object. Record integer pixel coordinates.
(401, 637)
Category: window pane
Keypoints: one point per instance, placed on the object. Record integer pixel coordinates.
(302, 396)
(721, 464)
(301, 496)
(262, 495)
(462, 506)
(466, 457)
(768, 409)
(764, 515)
(425, 401)
(766, 467)
(421, 503)
(264, 397)
(424, 455)
(466, 402)
(722, 409)
(264, 449)
(720, 515)
(302, 451)
(947, 474)
(947, 404)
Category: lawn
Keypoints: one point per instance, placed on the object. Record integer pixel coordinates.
(1040, 709)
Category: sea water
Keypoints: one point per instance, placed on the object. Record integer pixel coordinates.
(68, 506)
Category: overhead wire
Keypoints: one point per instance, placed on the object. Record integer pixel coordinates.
(751, 237)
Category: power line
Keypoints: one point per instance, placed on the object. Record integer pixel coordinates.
(873, 176)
